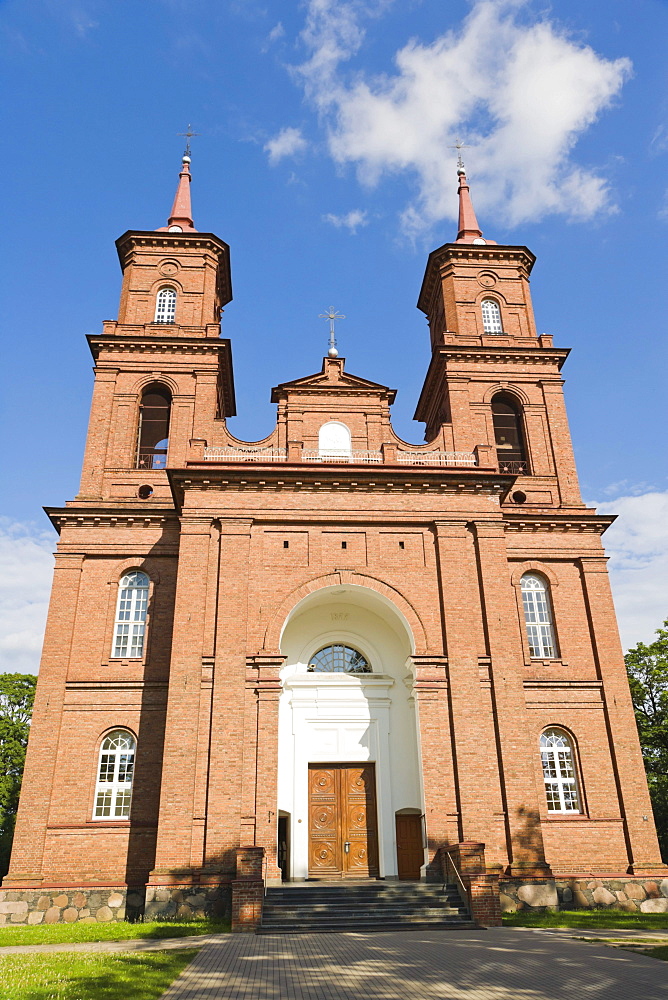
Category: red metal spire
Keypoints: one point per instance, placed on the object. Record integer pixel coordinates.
(180, 220)
(469, 230)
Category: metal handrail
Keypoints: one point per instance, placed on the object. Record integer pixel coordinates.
(459, 878)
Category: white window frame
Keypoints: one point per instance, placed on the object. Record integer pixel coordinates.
(130, 619)
(165, 305)
(559, 772)
(538, 619)
(335, 440)
(115, 771)
(491, 316)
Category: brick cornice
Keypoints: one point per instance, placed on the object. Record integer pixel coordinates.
(95, 517)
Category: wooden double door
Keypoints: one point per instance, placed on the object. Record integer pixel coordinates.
(343, 825)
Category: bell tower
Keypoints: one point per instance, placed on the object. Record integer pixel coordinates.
(492, 378)
(163, 374)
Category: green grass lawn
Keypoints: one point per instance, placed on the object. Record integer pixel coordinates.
(61, 933)
(90, 977)
(588, 919)
(660, 952)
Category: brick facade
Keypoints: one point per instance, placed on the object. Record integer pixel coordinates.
(234, 535)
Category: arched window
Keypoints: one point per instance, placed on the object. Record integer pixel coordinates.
(339, 659)
(130, 622)
(557, 757)
(538, 616)
(334, 440)
(491, 316)
(113, 791)
(508, 435)
(154, 413)
(165, 306)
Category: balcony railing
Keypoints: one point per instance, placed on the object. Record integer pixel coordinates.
(457, 458)
(365, 457)
(242, 454)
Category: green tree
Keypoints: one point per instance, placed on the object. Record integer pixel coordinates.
(17, 693)
(647, 667)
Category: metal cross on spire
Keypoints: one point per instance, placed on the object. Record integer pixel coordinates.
(332, 315)
(459, 145)
(188, 134)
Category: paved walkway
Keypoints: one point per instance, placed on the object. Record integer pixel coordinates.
(133, 944)
(498, 964)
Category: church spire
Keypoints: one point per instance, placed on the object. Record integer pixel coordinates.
(469, 230)
(181, 217)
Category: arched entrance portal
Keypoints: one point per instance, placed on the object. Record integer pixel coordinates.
(348, 759)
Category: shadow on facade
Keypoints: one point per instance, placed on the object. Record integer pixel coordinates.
(145, 807)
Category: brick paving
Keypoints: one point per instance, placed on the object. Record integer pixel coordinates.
(499, 964)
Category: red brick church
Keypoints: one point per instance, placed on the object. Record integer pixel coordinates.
(348, 651)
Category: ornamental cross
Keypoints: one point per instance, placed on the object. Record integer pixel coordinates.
(188, 134)
(459, 145)
(332, 315)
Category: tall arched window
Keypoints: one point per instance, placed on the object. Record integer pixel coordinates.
(558, 760)
(339, 659)
(491, 316)
(130, 622)
(538, 616)
(508, 435)
(153, 437)
(113, 791)
(165, 306)
(334, 440)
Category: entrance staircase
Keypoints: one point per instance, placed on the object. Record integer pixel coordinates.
(316, 907)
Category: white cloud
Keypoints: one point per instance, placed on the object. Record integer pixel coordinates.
(276, 32)
(288, 142)
(637, 544)
(26, 568)
(520, 92)
(352, 220)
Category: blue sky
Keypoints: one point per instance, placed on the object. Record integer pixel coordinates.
(324, 160)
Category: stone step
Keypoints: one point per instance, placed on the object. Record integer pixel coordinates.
(363, 906)
(348, 926)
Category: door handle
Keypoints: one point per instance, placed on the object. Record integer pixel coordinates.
(346, 847)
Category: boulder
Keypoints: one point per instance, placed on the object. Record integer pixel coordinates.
(78, 899)
(43, 903)
(52, 915)
(539, 894)
(104, 915)
(629, 906)
(60, 900)
(656, 905)
(602, 897)
(634, 891)
(580, 900)
(663, 886)
(115, 899)
(36, 917)
(20, 906)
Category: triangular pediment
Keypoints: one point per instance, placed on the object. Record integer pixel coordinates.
(331, 378)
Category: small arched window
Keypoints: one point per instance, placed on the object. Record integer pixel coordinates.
(339, 659)
(154, 412)
(558, 760)
(113, 792)
(491, 316)
(508, 435)
(130, 621)
(165, 306)
(538, 616)
(334, 440)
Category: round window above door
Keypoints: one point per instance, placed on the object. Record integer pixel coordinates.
(339, 659)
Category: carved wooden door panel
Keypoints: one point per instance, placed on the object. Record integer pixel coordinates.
(359, 811)
(325, 842)
(343, 834)
(410, 852)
